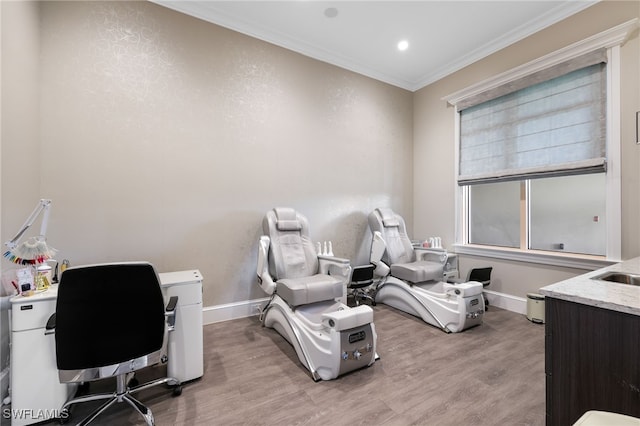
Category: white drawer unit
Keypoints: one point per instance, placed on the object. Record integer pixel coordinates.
(185, 341)
(36, 392)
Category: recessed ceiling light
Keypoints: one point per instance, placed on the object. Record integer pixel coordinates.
(403, 45)
(331, 12)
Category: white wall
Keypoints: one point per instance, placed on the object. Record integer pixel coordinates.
(165, 138)
(434, 138)
(19, 143)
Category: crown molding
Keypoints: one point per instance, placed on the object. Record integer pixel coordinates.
(556, 15)
(207, 11)
(615, 36)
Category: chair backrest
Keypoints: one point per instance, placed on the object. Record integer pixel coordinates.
(394, 233)
(107, 314)
(482, 275)
(362, 274)
(291, 252)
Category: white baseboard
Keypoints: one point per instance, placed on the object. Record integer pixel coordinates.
(506, 301)
(230, 311)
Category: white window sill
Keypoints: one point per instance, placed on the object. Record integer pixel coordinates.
(568, 260)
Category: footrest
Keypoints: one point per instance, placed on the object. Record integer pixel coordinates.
(348, 318)
(471, 288)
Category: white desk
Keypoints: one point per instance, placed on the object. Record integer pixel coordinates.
(36, 392)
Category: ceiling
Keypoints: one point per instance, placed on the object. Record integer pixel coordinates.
(362, 36)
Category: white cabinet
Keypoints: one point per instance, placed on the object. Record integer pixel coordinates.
(185, 341)
(36, 392)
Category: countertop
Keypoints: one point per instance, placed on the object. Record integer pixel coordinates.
(50, 293)
(598, 293)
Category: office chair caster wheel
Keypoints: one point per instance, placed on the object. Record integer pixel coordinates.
(177, 390)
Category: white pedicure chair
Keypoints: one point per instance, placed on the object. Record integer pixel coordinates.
(308, 295)
(411, 280)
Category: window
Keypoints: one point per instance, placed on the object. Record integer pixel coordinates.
(496, 214)
(557, 214)
(537, 152)
(556, 127)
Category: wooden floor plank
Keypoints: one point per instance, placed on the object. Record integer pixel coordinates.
(488, 375)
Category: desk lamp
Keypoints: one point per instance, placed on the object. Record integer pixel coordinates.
(34, 250)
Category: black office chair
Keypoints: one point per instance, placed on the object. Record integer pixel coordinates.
(482, 275)
(111, 321)
(359, 286)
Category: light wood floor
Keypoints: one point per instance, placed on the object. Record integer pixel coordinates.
(489, 375)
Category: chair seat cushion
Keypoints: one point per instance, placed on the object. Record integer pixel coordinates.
(304, 290)
(416, 272)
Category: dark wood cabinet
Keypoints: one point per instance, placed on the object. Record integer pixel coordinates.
(592, 361)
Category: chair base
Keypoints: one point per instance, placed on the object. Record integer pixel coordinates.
(329, 338)
(360, 295)
(122, 394)
(447, 307)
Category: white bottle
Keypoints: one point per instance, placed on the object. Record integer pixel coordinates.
(330, 252)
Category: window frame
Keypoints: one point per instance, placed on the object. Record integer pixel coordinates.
(524, 252)
(610, 40)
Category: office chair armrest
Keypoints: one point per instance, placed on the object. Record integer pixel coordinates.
(171, 306)
(50, 328)
(170, 312)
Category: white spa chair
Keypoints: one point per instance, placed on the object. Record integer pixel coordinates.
(412, 280)
(308, 296)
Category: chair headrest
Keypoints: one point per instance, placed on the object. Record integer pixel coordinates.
(287, 219)
(389, 218)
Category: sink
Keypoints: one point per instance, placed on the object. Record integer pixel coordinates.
(619, 277)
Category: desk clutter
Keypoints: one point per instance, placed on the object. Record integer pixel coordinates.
(34, 254)
(431, 242)
(32, 279)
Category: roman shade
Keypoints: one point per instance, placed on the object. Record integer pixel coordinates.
(549, 123)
